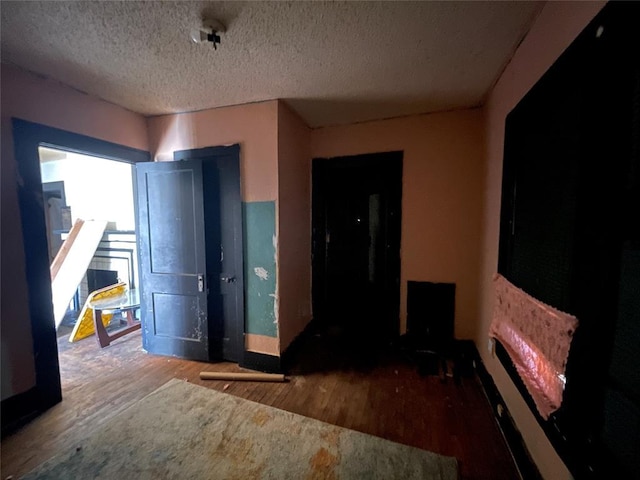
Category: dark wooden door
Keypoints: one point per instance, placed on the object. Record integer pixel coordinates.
(190, 242)
(171, 243)
(356, 242)
(223, 239)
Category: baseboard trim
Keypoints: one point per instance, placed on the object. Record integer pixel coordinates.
(525, 464)
(291, 352)
(261, 362)
(20, 409)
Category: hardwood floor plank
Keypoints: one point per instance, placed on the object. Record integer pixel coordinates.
(384, 396)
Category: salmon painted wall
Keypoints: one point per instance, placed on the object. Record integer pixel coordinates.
(555, 28)
(441, 198)
(39, 100)
(294, 225)
(255, 128)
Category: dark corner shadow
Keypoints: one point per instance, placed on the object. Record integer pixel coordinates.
(326, 348)
(322, 348)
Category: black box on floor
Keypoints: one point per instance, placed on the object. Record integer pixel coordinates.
(428, 363)
(465, 356)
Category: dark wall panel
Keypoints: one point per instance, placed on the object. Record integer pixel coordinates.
(569, 233)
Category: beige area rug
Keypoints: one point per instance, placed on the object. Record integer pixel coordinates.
(184, 431)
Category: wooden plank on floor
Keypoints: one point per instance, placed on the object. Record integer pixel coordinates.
(74, 265)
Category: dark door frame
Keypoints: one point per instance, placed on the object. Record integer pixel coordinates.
(27, 137)
(229, 151)
(391, 165)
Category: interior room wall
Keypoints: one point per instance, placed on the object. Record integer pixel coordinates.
(294, 224)
(441, 197)
(555, 28)
(255, 128)
(33, 98)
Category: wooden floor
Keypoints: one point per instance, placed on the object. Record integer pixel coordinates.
(378, 394)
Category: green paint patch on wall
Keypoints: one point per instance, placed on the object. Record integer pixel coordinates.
(260, 267)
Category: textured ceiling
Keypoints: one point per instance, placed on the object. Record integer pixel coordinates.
(334, 62)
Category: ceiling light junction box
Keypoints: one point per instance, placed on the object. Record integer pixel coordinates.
(209, 32)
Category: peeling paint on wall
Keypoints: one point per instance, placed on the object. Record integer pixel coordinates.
(261, 273)
(260, 268)
(274, 242)
(275, 307)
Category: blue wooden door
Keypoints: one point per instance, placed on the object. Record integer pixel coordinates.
(173, 275)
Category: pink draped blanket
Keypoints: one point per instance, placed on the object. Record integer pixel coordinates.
(537, 338)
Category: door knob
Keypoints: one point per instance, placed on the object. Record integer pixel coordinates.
(228, 279)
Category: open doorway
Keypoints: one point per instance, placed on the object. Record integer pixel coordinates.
(78, 186)
(29, 140)
(356, 246)
(28, 137)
